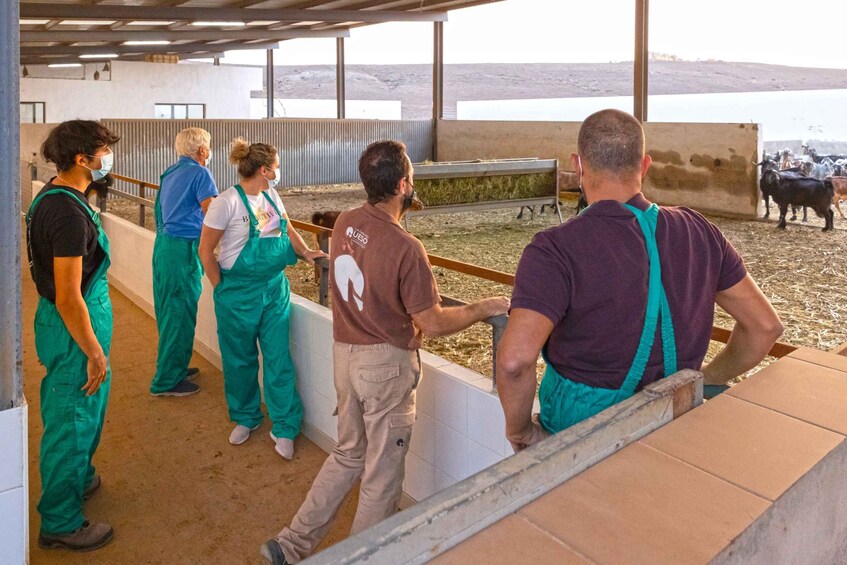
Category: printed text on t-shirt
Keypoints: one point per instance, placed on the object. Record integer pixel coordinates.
(357, 236)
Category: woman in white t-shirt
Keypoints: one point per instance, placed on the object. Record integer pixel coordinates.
(252, 294)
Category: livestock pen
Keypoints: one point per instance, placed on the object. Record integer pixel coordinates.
(795, 270)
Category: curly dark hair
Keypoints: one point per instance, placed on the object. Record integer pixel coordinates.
(382, 165)
(75, 137)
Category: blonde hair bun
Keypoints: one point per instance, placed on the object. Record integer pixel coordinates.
(240, 150)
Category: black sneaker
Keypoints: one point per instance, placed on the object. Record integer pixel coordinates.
(272, 553)
(88, 538)
(183, 388)
(191, 373)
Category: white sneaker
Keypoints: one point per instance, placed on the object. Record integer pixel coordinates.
(240, 434)
(284, 446)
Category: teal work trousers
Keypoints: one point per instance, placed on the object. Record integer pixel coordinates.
(177, 284)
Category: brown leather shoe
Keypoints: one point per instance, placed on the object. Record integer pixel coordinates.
(88, 538)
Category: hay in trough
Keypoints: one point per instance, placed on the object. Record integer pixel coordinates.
(470, 190)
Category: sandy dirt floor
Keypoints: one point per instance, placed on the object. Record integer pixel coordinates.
(174, 489)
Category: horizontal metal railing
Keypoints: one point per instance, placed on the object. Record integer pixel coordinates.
(497, 323)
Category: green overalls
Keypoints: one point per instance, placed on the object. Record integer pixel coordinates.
(72, 421)
(177, 284)
(564, 402)
(252, 303)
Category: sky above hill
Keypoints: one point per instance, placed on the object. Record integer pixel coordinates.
(561, 31)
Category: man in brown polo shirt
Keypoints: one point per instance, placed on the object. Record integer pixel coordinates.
(582, 290)
(384, 298)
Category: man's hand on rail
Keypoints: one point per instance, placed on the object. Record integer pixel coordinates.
(530, 435)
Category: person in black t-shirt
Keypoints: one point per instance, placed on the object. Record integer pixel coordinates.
(69, 255)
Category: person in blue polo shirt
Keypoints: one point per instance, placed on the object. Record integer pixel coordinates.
(185, 191)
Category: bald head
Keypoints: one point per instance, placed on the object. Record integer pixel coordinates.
(612, 141)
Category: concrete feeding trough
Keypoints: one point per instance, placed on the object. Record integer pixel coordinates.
(461, 186)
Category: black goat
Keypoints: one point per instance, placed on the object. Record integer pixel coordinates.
(799, 191)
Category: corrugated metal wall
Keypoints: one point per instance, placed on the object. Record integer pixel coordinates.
(312, 151)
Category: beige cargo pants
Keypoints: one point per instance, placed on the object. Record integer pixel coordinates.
(375, 386)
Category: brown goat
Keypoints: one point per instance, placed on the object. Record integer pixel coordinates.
(839, 184)
(325, 220)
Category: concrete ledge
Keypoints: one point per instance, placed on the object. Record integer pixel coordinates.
(455, 514)
(807, 524)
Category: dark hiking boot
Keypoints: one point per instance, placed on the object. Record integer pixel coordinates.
(88, 538)
(272, 553)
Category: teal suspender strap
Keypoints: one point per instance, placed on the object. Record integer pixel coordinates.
(657, 306)
(254, 231)
(283, 225)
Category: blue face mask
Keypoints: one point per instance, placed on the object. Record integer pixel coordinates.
(274, 181)
(106, 162)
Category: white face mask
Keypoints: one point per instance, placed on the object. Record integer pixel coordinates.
(209, 158)
(274, 181)
(106, 162)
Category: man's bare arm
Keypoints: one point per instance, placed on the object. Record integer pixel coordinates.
(67, 277)
(757, 327)
(525, 335)
(439, 321)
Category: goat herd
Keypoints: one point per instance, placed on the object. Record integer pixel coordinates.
(811, 180)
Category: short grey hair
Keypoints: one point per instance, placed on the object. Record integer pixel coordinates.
(612, 141)
(190, 140)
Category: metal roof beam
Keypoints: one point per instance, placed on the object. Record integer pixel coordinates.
(165, 35)
(36, 61)
(113, 12)
(27, 52)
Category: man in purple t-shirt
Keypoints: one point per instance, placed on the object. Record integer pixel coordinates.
(582, 290)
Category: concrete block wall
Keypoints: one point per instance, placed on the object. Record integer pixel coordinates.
(708, 167)
(14, 487)
(460, 426)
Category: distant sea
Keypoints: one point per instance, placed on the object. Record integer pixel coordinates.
(796, 114)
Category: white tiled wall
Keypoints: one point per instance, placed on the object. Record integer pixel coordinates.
(460, 426)
(14, 488)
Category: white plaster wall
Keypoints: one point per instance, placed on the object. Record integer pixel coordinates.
(14, 487)
(460, 425)
(136, 87)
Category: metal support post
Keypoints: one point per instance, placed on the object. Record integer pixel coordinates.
(323, 284)
(640, 88)
(142, 209)
(11, 391)
(498, 326)
(437, 83)
(269, 82)
(340, 84)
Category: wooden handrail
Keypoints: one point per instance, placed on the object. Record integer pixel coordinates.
(719, 334)
(135, 181)
(778, 350)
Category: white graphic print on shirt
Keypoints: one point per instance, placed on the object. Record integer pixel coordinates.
(346, 269)
(346, 272)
